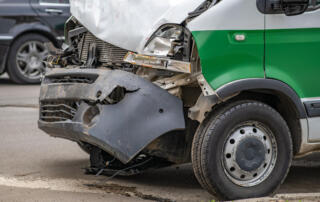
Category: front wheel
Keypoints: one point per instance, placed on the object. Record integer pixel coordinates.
(244, 150)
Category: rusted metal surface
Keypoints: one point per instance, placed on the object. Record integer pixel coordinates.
(203, 106)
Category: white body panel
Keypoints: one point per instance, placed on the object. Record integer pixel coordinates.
(314, 129)
(129, 23)
(306, 20)
(230, 15)
(313, 124)
(307, 146)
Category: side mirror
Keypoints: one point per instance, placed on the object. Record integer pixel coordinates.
(294, 7)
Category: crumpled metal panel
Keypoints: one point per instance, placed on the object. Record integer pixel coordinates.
(123, 129)
(129, 23)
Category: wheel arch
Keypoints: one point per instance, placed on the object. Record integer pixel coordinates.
(271, 86)
(45, 33)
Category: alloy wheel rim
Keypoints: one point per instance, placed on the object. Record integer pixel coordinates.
(29, 59)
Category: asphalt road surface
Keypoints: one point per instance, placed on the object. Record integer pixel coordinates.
(36, 167)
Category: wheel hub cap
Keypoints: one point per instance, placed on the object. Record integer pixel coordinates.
(34, 62)
(250, 154)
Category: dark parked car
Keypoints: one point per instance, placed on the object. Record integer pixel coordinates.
(25, 25)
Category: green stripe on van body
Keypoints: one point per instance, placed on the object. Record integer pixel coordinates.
(293, 56)
(223, 59)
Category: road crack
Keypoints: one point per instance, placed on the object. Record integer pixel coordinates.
(127, 191)
(26, 174)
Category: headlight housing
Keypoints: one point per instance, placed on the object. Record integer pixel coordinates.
(161, 50)
(163, 42)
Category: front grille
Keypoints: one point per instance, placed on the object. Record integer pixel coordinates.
(56, 111)
(107, 52)
(88, 79)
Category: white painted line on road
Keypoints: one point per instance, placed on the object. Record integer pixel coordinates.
(51, 184)
(296, 196)
(78, 186)
(286, 197)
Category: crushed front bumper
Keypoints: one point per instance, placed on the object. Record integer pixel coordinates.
(73, 106)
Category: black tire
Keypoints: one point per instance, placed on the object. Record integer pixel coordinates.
(13, 69)
(209, 144)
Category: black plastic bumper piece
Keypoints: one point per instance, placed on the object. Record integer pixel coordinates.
(123, 129)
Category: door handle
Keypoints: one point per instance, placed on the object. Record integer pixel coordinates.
(50, 10)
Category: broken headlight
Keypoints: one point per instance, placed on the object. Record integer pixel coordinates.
(163, 42)
(160, 51)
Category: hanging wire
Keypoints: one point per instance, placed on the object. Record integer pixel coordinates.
(125, 169)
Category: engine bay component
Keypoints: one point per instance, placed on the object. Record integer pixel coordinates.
(108, 54)
(61, 58)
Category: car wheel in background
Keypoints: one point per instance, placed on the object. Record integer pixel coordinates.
(25, 61)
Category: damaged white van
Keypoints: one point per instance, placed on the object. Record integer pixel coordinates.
(231, 86)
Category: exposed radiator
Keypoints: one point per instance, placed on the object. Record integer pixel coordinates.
(108, 53)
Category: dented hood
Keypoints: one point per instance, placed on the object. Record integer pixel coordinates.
(129, 23)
